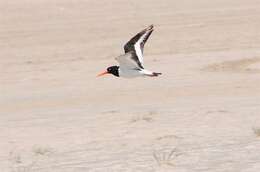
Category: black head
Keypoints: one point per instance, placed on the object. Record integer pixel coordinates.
(111, 70)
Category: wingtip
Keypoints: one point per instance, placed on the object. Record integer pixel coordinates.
(150, 27)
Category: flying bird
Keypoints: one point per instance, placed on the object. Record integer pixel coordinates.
(131, 63)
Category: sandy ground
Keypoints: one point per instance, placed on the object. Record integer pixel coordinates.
(202, 114)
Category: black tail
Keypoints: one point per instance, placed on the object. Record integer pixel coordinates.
(156, 74)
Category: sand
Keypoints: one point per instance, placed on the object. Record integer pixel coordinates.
(202, 114)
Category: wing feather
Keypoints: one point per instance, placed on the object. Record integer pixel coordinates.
(136, 44)
(127, 61)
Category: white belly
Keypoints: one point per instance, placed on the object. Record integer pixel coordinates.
(132, 73)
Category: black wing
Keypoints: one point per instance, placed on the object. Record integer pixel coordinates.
(140, 38)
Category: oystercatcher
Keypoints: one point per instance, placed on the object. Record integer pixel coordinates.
(131, 63)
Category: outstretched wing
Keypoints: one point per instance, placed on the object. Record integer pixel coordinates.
(127, 62)
(136, 44)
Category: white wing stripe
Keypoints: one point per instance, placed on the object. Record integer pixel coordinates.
(138, 48)
(139, 52)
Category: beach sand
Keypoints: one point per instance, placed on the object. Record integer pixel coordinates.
(202, 114)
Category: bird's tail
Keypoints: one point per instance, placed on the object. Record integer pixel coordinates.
(155, 74)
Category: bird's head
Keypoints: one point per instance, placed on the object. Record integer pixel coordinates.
(111, 70)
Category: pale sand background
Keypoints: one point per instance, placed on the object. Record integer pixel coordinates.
(200, 115)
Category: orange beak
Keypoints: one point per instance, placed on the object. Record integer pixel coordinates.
(103, 73)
